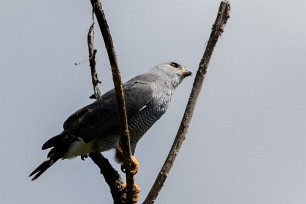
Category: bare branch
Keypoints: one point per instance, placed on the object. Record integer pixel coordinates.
(125, 138)
(217, 29)
(111, 176)
(92, 62)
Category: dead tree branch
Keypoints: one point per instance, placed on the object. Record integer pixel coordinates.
(217, 29)
(125, 138)
(111, 176)
(92, 62)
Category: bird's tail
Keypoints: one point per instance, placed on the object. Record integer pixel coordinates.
(44, 166)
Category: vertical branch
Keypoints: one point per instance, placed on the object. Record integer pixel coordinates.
(125, 139)
(111, 176)
(92, 62)
(217, 29)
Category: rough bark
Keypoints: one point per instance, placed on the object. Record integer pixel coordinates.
(125, 139)
(92, 62)
(111, 177)
(217, 29)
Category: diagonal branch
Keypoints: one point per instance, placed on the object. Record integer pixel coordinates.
(111, 176)
(125, 138)
(217, 29)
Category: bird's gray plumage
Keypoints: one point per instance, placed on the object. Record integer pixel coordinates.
(95, 128)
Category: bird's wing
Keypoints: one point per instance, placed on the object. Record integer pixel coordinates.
(102, 116)
(105, 118)
(138, 94)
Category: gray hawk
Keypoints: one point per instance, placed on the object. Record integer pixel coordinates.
(95, 127)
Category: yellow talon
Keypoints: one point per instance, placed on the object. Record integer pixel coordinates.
(134, 166)
(136, 191)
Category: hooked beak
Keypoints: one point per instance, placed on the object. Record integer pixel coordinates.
(186, 72)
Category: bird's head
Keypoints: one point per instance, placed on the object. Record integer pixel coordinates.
(173, 71)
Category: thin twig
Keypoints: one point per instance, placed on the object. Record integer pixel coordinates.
(125, 138)
(92, 62)
(217, 29)
(111, 176)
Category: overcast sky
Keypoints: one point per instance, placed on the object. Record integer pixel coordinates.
(246, 143)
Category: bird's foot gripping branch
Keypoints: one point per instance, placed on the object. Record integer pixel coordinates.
(133, 166)
(135, 192)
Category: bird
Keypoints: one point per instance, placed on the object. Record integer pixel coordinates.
(96, 127)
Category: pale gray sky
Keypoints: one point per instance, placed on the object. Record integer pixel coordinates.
(247, 140)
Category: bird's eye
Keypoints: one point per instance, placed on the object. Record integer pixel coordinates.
(174, 64)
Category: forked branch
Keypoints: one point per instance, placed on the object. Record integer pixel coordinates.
(110, 175)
